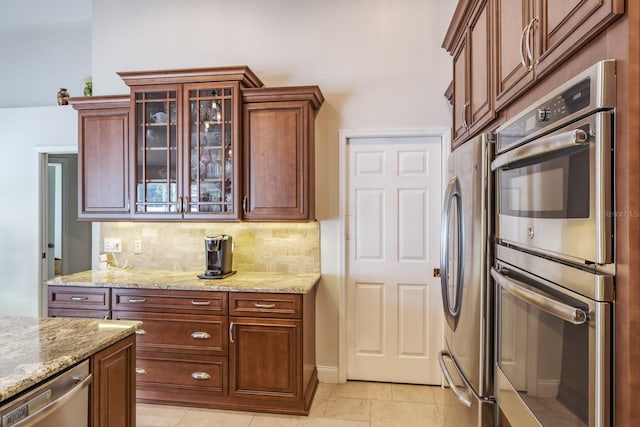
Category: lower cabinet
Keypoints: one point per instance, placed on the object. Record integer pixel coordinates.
(272, 351)
(113, 396)
(232, 350)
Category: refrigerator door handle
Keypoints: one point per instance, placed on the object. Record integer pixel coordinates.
(464, 396)
(451, 303)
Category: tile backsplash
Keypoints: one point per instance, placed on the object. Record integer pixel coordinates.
(269, 247)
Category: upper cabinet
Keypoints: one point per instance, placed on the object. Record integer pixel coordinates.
(535, 36)
(501, 48)
(472, 85)
(278, 152)
(103, 169)
(174, 148)
(186, 141)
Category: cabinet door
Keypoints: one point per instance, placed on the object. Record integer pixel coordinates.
(480, 110)
(113, 389)
(103, 169)
(566, 26)
(460, 105)
(278, 161)
(513, 69)
(210, 152)
(155, 152)
(265, 358)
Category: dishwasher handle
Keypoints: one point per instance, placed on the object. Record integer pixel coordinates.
(51, 407)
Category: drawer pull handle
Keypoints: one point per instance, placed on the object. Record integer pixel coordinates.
(137, 300)
(231, 332)
(141, 332)
(200, 302)
(200, 336)
(200, 376)
(258, 305)
(141, 371)
(79, 298)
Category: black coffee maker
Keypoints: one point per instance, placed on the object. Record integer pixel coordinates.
(218, 257)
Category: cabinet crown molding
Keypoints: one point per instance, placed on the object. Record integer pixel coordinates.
(99, 102)
(311, 94)
(456, 27)
(240, 73)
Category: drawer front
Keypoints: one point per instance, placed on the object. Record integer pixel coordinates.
(84, 314)
(207, 375)
(79, 297)
(265, 305)
(170, 301)
(179, 333)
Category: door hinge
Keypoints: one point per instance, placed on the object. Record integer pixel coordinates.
(44, 255)
(436, 272)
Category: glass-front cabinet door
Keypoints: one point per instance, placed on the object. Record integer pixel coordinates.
(156, 152)
(186, 158)
(212, 113)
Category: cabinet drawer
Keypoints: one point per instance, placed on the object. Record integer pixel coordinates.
(168, 301)
(265, 305)
(79, 297)
(84, 314)
(178, 376)
(179, 333)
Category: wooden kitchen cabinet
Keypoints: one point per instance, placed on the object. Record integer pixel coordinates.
(78, 301)
(185, 146)
(535, 36)
(472, 77)
(103, 168)
(272, 353)
(113, 397)
(278, 153)
(181, 346)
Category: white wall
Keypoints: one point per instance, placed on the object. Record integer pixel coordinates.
(21, 131)
(38, 61)
(378, 63)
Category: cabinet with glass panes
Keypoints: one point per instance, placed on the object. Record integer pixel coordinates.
(185, 143)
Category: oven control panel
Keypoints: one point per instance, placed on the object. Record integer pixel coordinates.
(545, 114)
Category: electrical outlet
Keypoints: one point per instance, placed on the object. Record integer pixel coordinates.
(112, 244)
(137, 246)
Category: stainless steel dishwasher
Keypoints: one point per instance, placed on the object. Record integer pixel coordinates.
(62, 401)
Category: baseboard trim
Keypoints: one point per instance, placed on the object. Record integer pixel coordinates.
(328, 374)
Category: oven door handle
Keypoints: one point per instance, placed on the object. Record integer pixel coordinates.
(574, 315)
(542, 146)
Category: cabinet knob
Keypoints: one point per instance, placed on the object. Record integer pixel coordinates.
(200, 336)
(200, 376)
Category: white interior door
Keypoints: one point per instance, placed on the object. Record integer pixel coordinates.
(394, 317)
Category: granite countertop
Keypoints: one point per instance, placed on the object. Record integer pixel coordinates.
(188, 280)
(33, 349)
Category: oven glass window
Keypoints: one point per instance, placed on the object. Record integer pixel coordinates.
(546, 360)
(556, 187)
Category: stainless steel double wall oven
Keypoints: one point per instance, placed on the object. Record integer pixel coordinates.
(553, 269)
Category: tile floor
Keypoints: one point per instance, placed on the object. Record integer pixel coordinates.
(354, 404)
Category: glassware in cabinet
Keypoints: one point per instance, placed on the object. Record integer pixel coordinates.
(156, 151)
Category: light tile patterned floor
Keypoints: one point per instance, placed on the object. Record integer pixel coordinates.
(354, 404)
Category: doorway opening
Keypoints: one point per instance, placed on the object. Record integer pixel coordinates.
(66, 243)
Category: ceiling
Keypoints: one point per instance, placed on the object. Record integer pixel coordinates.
(29, 14)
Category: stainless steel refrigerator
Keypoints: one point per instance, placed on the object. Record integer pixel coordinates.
(467, 297)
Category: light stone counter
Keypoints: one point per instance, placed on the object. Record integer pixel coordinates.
(33, 349)
(188, 280)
